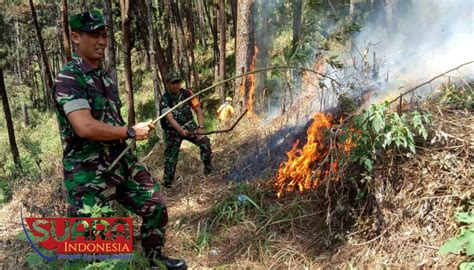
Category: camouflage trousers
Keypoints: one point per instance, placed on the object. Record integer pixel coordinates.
(173, 142)
(134, 187)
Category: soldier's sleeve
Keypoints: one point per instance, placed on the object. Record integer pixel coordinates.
(70, 91)
(194, 101)
(164, 107)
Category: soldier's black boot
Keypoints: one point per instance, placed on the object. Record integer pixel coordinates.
(167, 184)
(158, 260)
(208, 168)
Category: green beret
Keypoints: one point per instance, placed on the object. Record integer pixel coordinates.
(87, 21)
(173, 77)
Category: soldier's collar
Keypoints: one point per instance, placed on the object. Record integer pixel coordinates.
(83, 64)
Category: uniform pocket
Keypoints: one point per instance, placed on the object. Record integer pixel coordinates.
(98, 105)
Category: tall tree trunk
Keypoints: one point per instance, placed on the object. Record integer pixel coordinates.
(152, 51)
(297, 12)
(215, 11)
(191, 40)
(170, 36)
(389, 7)
(110, 52)
(163, 65)
(155, 46)
(182, 44)
(351, 8)
(18, 60)
(141, 22)
(46, 70)
(297, 9)
(202, 28)
(62, 52)
(125, 11)
(213, 28)
(53, 64)
(222, 43)
(26, 116)
(233, 10)
(46, 104)
(30, 76)
(245, 41)
(173, 51)
(66, 39)
(8, 118)
(264, 45)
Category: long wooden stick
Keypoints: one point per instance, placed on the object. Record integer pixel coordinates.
(213, 86)
(429, 81)
(222, 130)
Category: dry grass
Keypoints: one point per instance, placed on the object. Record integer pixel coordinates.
(407, 215)
(415, 197)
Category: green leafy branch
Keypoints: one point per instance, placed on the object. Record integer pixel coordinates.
(96, 210)
(380, 128)
(460, 97)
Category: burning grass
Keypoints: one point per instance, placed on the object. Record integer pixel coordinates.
(308, 165)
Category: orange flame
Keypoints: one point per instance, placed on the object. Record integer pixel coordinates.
(251, 84)
(306, 167)
(251, 98)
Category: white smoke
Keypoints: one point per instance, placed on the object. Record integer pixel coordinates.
(424, 38)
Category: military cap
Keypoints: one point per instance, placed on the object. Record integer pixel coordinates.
(173, 77)
(87, 21)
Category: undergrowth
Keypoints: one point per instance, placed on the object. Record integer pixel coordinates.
(379, 128)
(463, 243)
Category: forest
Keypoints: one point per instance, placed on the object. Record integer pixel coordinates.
(351, 145)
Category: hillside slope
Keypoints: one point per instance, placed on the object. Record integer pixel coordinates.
(405, 217)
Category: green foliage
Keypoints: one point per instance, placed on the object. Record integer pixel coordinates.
(5, 192)
(96, 210)
(33, 259)
(235, 207)
(202, 237)
(347, 104)
(466, 265)
(464, 241)
(38, 144)
(210, 120)
(379, 128)
(459, 97)
(115, 264)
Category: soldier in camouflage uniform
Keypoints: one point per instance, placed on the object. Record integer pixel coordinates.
(93, 134)
(177, 125)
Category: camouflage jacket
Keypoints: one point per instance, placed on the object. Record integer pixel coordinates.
(79, 86)
(183, 115)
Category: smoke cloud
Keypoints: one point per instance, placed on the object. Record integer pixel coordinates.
(417, 40)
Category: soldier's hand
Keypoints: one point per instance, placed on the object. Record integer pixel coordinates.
(199, 130)
(183, 132)
(143, 130)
